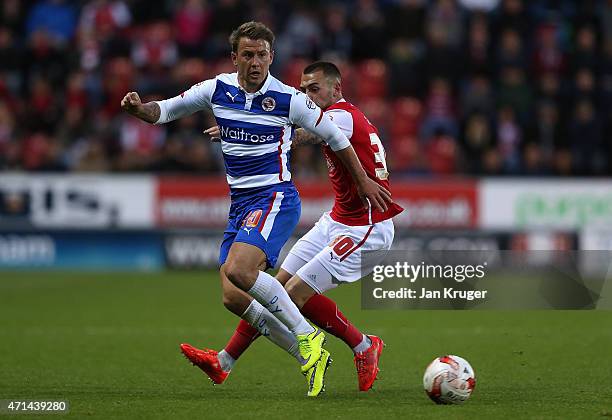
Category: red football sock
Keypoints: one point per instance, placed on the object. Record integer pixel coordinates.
(244, 335)
(325, 313)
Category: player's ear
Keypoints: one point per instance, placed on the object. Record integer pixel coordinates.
(234, 58)
(271, 56)
(337, 87)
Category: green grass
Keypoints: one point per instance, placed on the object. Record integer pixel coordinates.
(108, 343)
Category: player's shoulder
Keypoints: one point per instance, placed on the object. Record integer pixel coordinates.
(209, 85)
(280, 87)
(297, 100)
(300, 103)
(356, 114)
(344, 105)
(341, 109)
(227, 78)
(281, 92)
(339, 116)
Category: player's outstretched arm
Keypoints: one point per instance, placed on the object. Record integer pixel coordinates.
(192, 100)
(148, 112)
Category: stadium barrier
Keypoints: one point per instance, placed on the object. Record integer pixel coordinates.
(144, 222)
(145, 202)
(82, 250)
(117, 250)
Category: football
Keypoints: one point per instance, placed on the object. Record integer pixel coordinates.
(449, 380)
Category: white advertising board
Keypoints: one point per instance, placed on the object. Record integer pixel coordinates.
(80, 201)
(548, 204)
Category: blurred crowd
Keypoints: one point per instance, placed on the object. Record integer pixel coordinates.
(474, 87)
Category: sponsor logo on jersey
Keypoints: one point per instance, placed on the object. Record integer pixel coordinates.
(268, 104)
(243, 135)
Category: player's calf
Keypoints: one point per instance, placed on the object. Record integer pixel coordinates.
(367, 349)
(235, 302)
(234, 299)
(299, 291)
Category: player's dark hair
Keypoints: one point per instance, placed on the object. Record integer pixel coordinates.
(330, 70)
(252, 30)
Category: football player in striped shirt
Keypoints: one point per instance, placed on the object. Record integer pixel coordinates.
(256, 115)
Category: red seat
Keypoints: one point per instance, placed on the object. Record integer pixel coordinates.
(406, 117)
(371, 79)
(442, 155)
(403, 153)
(377, 111)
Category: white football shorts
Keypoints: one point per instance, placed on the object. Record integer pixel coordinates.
(332, 253)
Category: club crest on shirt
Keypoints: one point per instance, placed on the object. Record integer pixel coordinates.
(268, 104)
(310, 104)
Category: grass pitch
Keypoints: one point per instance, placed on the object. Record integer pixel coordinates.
(108, 343)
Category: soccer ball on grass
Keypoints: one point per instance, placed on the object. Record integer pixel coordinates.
(449, 380)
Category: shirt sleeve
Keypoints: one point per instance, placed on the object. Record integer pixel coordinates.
(343, 120)
(308, 115)
(196, 98)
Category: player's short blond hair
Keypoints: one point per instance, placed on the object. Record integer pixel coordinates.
(252, 30)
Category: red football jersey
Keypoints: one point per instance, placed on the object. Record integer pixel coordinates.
(348, 207)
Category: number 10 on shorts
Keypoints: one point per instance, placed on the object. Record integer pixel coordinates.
(252, 220)
(342, 245)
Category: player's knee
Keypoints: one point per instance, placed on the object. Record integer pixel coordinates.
(241, 276)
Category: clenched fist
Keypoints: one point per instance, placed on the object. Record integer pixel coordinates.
(148, 112)
(131, 103)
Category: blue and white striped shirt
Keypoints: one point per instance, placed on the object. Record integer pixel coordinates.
(256, 128)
